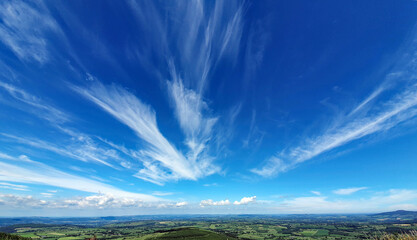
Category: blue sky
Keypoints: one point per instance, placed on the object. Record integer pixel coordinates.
(172, 107)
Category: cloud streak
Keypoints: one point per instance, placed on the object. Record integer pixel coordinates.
(37, 106)
(162, 161)
(316, 193)
(78, 146)
(348, 191)
(197, 128)
(359, 123)
(86, 151)
(16, 187)
(18, 31)
(38, 173)
(204, 33)
(382, 201)
(209, 32)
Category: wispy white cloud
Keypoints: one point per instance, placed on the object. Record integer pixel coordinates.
(86, 152)
(399, 109)
(88, 148)
(210, 202)
(318, 204)
(405, 206)
(77, 145)
(395, 196)
(6, 156)
(272, 167)
(162, 161)
(379, 115)
(47, 194)
(120, 148)
(258, 37)
(158, 193)
(245, 200)
(316, 193)
(369, 99)
(35, 105)
(382, 201)
(206, 33)
(348, 191)
(211, 32)
(255, 136)
(189, 110)
(203, 34)
(210, 185)
(24, 29)
(38, 173)
(389, 82)
(6, 185)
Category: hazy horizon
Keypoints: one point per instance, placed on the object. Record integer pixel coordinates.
(176, 215)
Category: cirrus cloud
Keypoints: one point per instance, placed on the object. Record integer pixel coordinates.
(348, 191)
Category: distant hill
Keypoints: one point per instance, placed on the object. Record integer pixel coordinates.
(12, 228)
(399, 215)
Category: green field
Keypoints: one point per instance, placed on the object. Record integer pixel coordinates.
(220, 227)
(191, 234)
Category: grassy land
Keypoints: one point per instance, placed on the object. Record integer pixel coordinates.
(191, 234)
(222, 228)
(6, 236)
(403, 236)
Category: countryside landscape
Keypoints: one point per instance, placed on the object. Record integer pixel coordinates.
(359, 226)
